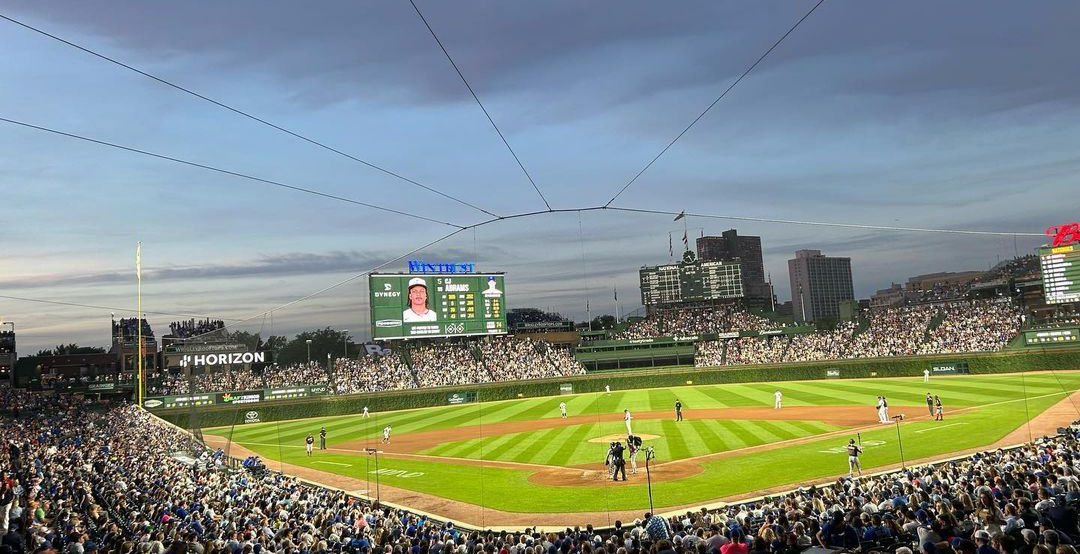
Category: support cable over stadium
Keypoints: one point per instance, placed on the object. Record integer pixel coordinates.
(243, 113)
(481, 104)
(222, 171)
(714, 102)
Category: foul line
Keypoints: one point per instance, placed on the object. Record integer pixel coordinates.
(941, 427)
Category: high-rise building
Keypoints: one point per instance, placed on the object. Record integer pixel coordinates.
(818, 285)
(729, 246)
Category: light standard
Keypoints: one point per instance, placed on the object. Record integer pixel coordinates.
(309, 351)
(370, 452)
(346, 340)
(897, 419)
(649, 454)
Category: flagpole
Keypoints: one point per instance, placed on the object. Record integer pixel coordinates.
(138, 322)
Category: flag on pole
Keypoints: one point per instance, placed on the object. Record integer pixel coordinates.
(616, 293)
(681, 215)
(670, 248)
(685, 240)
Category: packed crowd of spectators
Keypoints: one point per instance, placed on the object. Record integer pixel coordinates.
(962, 326)
(757, 350)
(371, 374)
(193, 328)
(75, 479)
(127, 329)
(968, 327)
(441, 364)
(697, 321)
(514, 359)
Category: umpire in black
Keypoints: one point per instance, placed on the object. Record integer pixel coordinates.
(615, 458)
(322, 438)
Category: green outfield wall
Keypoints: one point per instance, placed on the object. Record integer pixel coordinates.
(1058, 358)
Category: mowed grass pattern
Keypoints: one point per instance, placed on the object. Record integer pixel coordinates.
(570, 446)
(1007, 407)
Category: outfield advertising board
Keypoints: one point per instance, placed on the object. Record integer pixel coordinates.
(232, 397)
(422, 305)
(461, 397)
(949, 368)
(1068, 335)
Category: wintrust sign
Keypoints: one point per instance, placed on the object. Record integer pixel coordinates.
(223, 359)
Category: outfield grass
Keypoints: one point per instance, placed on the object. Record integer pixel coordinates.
(509, 490)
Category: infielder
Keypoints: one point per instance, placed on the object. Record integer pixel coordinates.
(678, 410)
(386, 434)
(562, 409)
(626, 419)
(310, 440)
(939, 409)
(366, 412)
(881, 410)
(778, 400)
(885, 406)
(853, 452)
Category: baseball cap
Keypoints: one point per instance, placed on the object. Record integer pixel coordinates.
(417, 281)
(983, 535)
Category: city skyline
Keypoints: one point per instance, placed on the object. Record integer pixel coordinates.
(876, 115)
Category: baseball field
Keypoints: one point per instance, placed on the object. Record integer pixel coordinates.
(516, 463)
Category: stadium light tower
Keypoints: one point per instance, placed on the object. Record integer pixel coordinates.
(370, 452)
(309, 351)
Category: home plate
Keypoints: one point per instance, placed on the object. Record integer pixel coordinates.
(331, 463)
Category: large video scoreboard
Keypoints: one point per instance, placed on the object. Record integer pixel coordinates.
(690, 281)
(1061, 273)
(437, 305)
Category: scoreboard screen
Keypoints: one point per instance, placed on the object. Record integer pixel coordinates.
(426, 305)
(691, 281)
(1060, 273)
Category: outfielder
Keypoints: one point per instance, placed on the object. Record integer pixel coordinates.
(853, 452)
(926, 376)
(366, 412)
(626, 419)
(310, 440)
(778, 400)
(562, 409)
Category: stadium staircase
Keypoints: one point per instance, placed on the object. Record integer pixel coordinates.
(544, 350)
(864, 324)
(405, 357)
(935, 322)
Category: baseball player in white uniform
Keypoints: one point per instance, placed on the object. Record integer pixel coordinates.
(779, 400)
(626, 419)
(386, 434)
(366, 414)
(926, 376)
(881, 410)
(885, 406)
(562, 409)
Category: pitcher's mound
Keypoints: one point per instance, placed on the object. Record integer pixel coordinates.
(613, 438)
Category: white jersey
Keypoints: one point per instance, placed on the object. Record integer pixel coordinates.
(386, 432)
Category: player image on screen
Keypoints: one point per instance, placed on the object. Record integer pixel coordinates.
(418, 303)
(492, 291)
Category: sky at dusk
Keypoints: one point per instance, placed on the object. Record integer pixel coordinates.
(959, 115)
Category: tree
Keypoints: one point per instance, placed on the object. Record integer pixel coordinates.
(323, 342)
(70, 350)
(603, 323)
